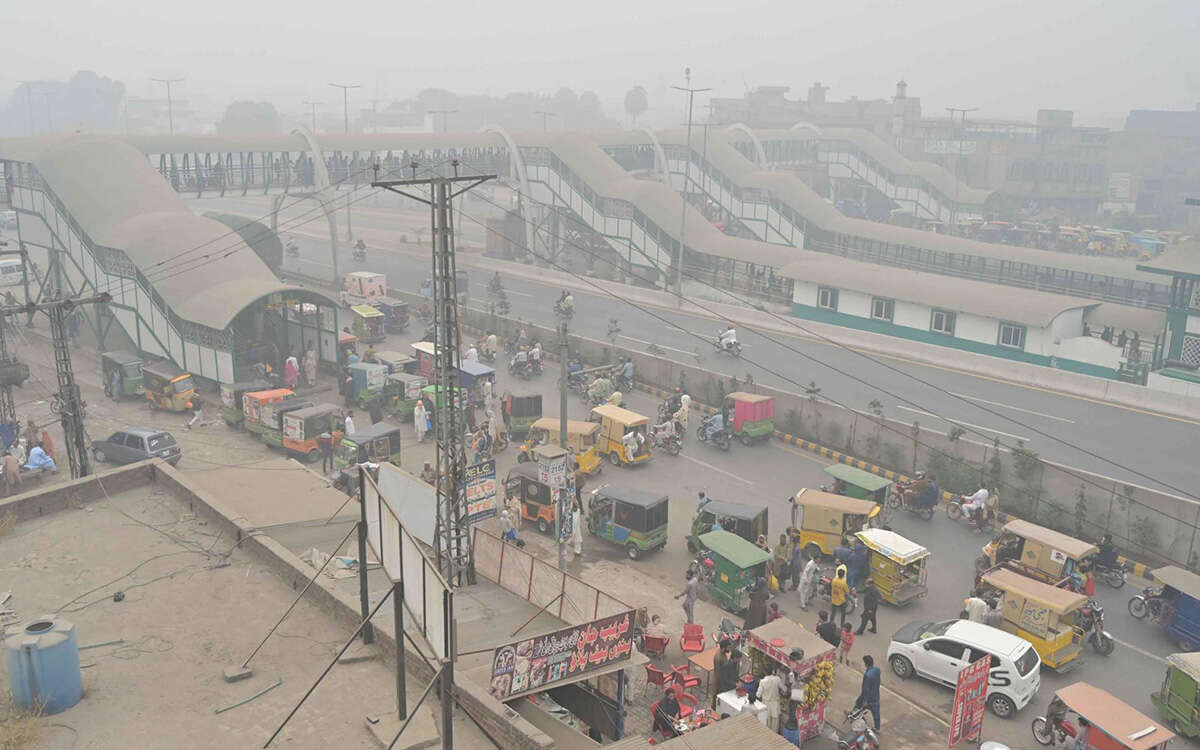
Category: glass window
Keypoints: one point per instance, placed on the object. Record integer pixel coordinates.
(882, 309)
(946, 648)
(1027, 661)
(133, 441)
(117, 438)
(1012, 335)
(160, 441)
(942, 322)
(827, 298)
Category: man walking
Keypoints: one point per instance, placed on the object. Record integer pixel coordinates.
(12, 472)
(868, 696)
(691, 591)
(325, 443)
(870, 603)
(808, 582)
(839, 594)
(860, 558)
(829, 632)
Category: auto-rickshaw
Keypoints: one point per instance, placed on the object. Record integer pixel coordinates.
(1180, 601)
(347, 345)
(1112, 724)
(253, 403)
(746, 521)
(897, 566)
(167, 386)
(472, 375)
(825, 519)
(858, 483)
(362, 287)
(401, 391)
(1035, 551)
(368, 324)
(395, 313)
(1179, 698)
(231, 400)
(581, 439)
(302, 426)
(271, 428)
(1040, 613)
(615, 423)
(633, 519)
(536, 499)
(395, 362)
(379, 443)
(433, 395)
(366, 380)
(753, 415)
(736, 565)
(521, 412)
(424, 353)
(129, 379)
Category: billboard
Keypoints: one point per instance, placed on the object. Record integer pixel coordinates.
(481, 491)
(538, 663)
(970, 695)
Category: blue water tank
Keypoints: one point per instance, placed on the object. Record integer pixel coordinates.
(43, 664)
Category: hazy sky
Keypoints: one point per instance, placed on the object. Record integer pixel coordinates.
(1099, 57)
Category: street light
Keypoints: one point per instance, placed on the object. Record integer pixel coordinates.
(687, 177)
(544, 116)
(313, 110)
(345, 101)
(957, 160)
(170, 105)
(444, 113)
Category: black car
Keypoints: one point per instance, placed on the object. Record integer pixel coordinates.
(137, 444)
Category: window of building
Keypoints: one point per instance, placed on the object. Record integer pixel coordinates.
(1012, 335)
(882, 309)
(827, 298)
(942, 321)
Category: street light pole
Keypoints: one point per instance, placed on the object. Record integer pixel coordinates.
(957, 161)
(346, 123)
(170, 104)
(544, 116)
(444, 113)
(313, 110)
(687, 178)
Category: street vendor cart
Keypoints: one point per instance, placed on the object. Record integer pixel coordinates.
(897, 566)
(784, 647)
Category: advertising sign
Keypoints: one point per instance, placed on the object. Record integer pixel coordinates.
(966, 718)
(537, 663)
(939, 146)
(293, 427)
(552, 466)
(481, 491)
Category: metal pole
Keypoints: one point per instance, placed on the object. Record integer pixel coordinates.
(398, 620)
(957, 161)
(25, 279)
(345, 87)
(364, 598)
(562, 439)
(170, 104)
(687, 178)
(312, 106)
(448, 670)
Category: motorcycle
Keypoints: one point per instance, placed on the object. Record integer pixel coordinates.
(861, 736)
(718, 436)
(729, 633)
(522, 370)
(825, 589)
(955, 512)
(733, 347)
(703, 566)
(1113, 575)
(360, 254)
(484, 354)
(1056, 733)
(564, 311)
(536, 367)
(1149, 602)
(1091, 622)
(665, 437)
(895, 499)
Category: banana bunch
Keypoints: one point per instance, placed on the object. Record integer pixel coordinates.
(819, 687)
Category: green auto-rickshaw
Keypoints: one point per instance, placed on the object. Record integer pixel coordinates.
(127, 367)
(1179, 699)
(736, 565)
(379, 443)
(857, 483)
(746, 521)
(629, 518)
(231, 400)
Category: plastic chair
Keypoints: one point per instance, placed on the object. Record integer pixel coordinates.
(655, 676)
(655, 646)
(692, 639)
(687, 701)
(683, 677)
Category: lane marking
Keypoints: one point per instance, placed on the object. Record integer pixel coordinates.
(1141, 651)
(660, 346)
(518, 294)
(714, 468)
(1014, 408)
(964, 424)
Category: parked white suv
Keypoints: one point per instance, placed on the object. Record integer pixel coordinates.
(938, 651)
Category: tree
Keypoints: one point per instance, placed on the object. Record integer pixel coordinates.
(636, 103)
(249, 118)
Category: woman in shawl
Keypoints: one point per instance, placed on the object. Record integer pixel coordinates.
(291, 372)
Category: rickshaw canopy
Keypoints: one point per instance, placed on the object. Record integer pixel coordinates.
(1183, 581)
(857, 477)
(346, 338)
(574, 426)
(837, 502)
(749, 398)
(723, 508)
(394, 360)
(121, 357)
(892, 546)
(475, 369)
(163, 369)
(620, 416)
(1058, 600)
(1068, 545)
(733, 548)
(366, 311)
(1116, 718)
(374, 432)
(423, 347)
(1188, 663)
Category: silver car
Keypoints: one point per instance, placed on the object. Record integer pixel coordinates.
(137, 444)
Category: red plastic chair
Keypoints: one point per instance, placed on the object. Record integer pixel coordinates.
(655, 646)
(683, 677)
(687, 701)
(692, 639)
(655, 676)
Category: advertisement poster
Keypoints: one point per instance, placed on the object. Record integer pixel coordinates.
(481, 491)
(966, 718)
(537, 663)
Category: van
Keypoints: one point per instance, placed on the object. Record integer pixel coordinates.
(938, 651)
(10, 271)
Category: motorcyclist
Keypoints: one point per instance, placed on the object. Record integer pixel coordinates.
(496, 284)
(728, 338)
(535, 354)
(929, 494)
(520, 360)
(490, 345)
(714, 424)
(1108, 552)
(565, 305)
(627, 373)
(975, 505)
(600, 389)
(912, 489)
(360, 249)
(674, 401)
(471, 355)
(614, 398)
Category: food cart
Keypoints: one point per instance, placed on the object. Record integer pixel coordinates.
(368, 324)
(897, 566)
(302, 426)
(395, 313)
(1040, 613)
(746, 521)
(628, 518)
(826, 518)
(395, 362)
(752, 414)
(581, 440)
(253, 403)
(166, 386)
(1179, 698)
(771, 648)
(424, 353)
(401, 391)
(1115, 725)
(129, 379)
(736, 564)
(231, 400)
(1035, 551)
(858, 483)
(521, 412)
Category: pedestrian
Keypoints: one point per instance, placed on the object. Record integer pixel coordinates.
(977, 607)
(1122, 339)
(847, 643)
(780, 561)
(773, 612)
(994, 616)
(420, 420)
(839, 593)
(196, 407)
(12, 472)
(31, 432)
(48, 444)
(508, 532)
(770, 690)
(868, 696)
(325, 443)
(691, 591)
(115, 384)
(808, 582)
(827, 630)
(349, 424)
(731, 672)
(577, 526)
(841, 553)
(702, 501)
(870, 603)
(719, 660)
(796, 560)
(291, 373)
(860, 560)
(756, 612)
(375, 410)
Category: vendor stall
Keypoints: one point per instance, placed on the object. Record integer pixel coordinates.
(785, 647)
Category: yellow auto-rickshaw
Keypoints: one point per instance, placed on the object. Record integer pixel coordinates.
(167, 386)
(1040, 613)
(615, 423)
(824, 519)
(581, 438)
(1035, 551)
(897, 565)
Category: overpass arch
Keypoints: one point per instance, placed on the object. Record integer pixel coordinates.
(806, 126)
(516, 164)
(660, 156)
(760, 155)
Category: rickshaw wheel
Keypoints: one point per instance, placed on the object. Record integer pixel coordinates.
(632, 551)
(813, 551)
(614, 458)
(926, 514)
(312, 456)
(543, 526)
(745, 438)
(99, 456)
(691, 546)
(1040, 735)
(954, 511)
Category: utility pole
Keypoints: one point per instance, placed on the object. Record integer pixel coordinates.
(444, 113)
(170, 104)
(28, 102)
(687, 177)
(563, 500)
(313, 113)
(544, 116)
(957, 161)
(345, 87)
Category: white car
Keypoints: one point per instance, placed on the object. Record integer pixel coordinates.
(938, 651)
